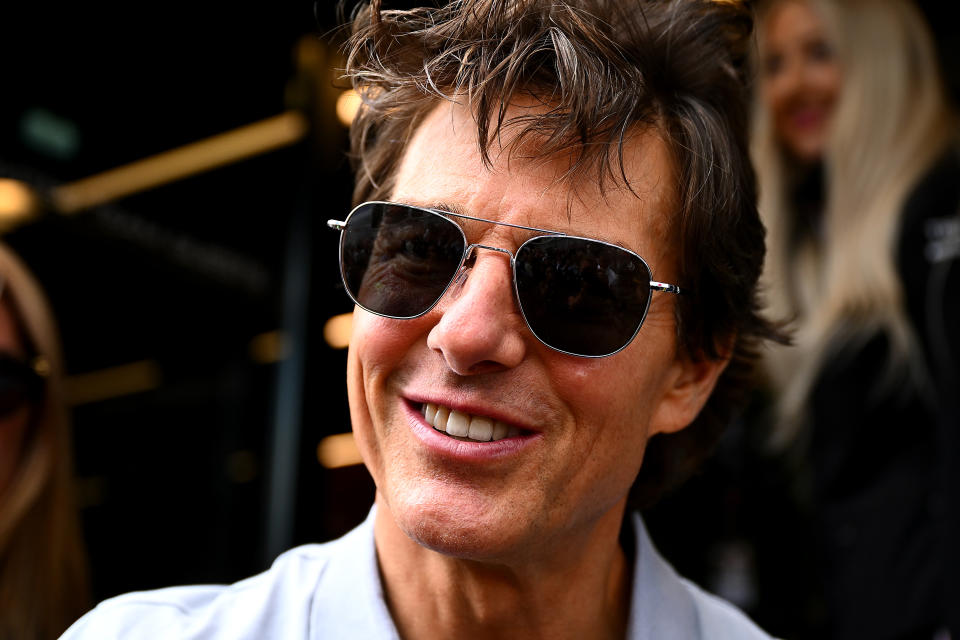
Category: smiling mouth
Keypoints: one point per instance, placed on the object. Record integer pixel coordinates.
(807, 117)
(464, 426)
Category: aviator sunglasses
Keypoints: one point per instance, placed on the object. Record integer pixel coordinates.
(579, 296)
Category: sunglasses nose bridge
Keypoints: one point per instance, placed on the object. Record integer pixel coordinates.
(469, 253)
(470, 257)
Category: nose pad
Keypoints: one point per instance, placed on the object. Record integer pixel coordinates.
(468, 262)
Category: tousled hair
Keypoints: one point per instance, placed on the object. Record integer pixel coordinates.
(603, 70)
(890, 124)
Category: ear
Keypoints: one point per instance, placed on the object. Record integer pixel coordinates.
(688, 385)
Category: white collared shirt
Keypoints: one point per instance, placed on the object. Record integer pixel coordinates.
(333, 590)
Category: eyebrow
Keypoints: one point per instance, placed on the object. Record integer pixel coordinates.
(449, 207)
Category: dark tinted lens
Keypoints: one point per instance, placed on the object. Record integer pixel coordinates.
(581, 296)
(398, 260)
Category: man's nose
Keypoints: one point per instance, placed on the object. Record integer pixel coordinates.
(481, 329)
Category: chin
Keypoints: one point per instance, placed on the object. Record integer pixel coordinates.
(462, 528)
(806, 151)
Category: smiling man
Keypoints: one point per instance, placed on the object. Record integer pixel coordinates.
(554, 258)
(503, 462)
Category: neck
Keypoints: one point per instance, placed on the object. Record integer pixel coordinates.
(578, 588)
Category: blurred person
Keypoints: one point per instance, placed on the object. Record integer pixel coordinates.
(516, 375)
(43, 573)
(855, 151)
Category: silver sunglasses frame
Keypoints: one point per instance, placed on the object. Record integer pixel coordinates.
(341, 225)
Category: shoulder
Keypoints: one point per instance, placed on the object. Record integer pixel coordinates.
(720, 620)
(937, 191)
(304, 591)
(928, 261)
(279, 595)
(665, 605)
(928, 220)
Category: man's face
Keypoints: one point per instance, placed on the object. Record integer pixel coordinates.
(579, 426)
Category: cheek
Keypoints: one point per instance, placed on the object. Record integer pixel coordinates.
(776, 89)
(829, 82)
(381, 350)
(612, 400)
(377, 348)
(378, 343)
(612, 415)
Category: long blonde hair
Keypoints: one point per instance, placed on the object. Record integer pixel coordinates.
(890, 124)
(43, 571)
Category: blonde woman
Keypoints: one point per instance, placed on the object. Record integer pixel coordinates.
(855, 151)
(43, 582)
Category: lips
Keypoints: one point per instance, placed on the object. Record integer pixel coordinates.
(464, 426)
(806, 119)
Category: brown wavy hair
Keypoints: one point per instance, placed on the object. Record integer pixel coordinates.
(604, 69)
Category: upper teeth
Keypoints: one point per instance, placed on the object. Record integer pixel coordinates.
(463, 425)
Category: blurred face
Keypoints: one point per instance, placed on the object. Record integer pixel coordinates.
(572, 431)
(801, 78)
(13, 426)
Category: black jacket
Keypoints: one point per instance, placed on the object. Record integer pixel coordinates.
(885, 447)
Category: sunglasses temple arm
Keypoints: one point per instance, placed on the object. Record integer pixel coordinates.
(336, 224)
(663, 286)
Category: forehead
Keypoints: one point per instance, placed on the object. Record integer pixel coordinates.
(792, 21)
(442, 164)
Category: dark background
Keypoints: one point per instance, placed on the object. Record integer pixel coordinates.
(175, 480)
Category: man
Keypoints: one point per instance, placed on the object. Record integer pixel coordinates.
(555, 265)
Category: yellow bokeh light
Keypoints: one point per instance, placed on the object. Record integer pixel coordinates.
(216, 151)
(113, 382)
(269, 347)
(348, 103)
(337, 451)
(338, 329)
(18, 203)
